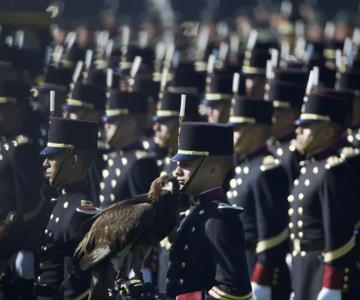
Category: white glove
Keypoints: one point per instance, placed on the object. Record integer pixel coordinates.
(329, 294)
(24, 264)
(261, 292)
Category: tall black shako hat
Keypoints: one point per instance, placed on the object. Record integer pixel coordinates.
(68, 134)
(285, 95)
(169, 107)
(86, 96)
(201, 139)
(325, 108)
(14, 91)
(125, 103)
(250, 110)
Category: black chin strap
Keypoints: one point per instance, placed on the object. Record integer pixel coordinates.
(199, 165)
(67, 155)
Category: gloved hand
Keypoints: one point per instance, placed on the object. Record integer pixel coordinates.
(329, 294)
(134, 289)
(261, 292)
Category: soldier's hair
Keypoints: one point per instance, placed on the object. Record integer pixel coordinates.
(225, 161)
(140, 120)
(86, 157)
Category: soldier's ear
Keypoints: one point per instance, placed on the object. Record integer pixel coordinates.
(74, 159)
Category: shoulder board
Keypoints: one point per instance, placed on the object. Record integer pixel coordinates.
(292, 147)
(140, 154)
(223, 207)
(269, 162)
(21, 140)
(146, 145)
(333, 161)
(88, 208)
(348, 152)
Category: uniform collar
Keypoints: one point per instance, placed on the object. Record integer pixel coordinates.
(211, 195)
(331, 150)
(75, 187)
(133, 146)
(286, 136)
(259, 151)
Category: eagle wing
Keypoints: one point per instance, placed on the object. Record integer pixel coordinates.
(117, 227)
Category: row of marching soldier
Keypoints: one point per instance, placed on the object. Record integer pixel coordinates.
(265, 152)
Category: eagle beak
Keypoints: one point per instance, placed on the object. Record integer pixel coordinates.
(169, 187)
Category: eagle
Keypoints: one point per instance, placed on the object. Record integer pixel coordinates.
(122, 235)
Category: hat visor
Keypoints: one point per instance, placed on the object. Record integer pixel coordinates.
(184, 157)
(69, 107)
(301, 122)
(109, 119)
(163, 118)
(51, 151)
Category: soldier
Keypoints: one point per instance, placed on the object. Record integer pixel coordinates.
(350, 80)
(70, 150)
(260, 186)
(87, 103)
(286, 99)
(166, 141)
(166, 124)
(130, 170)
(207, 258)
(219, 94)
(254, 68)
(323, 210)
(20, 202)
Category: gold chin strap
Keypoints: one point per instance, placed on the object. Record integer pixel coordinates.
(200, 164)
(68, 152)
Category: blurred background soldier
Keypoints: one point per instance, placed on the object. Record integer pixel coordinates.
(320, 198)
(20, 202)
(260, 187)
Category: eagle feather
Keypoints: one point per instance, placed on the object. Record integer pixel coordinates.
(128, 229)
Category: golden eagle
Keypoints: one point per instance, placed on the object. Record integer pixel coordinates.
(125, 232)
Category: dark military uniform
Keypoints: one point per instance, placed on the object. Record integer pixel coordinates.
(131, 170)
(207, 258)
(20, 178)
(127, 174)
(19, 174)
(287, 94)
(202, 259)
(323, 212)
(284, 150)
(260, 186)
(58, 275)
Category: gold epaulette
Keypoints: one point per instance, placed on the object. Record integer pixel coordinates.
(227, 207)
(269, 162)
(333, 161)
(339, 252)
(140, 154)
(21, 140)
(217, 293)
(348, 152)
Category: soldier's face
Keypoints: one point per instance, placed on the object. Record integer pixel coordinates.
(165, 133)
(184, 173)
(312, 137)
(242, 138)
(52, 165)
(218, 113)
